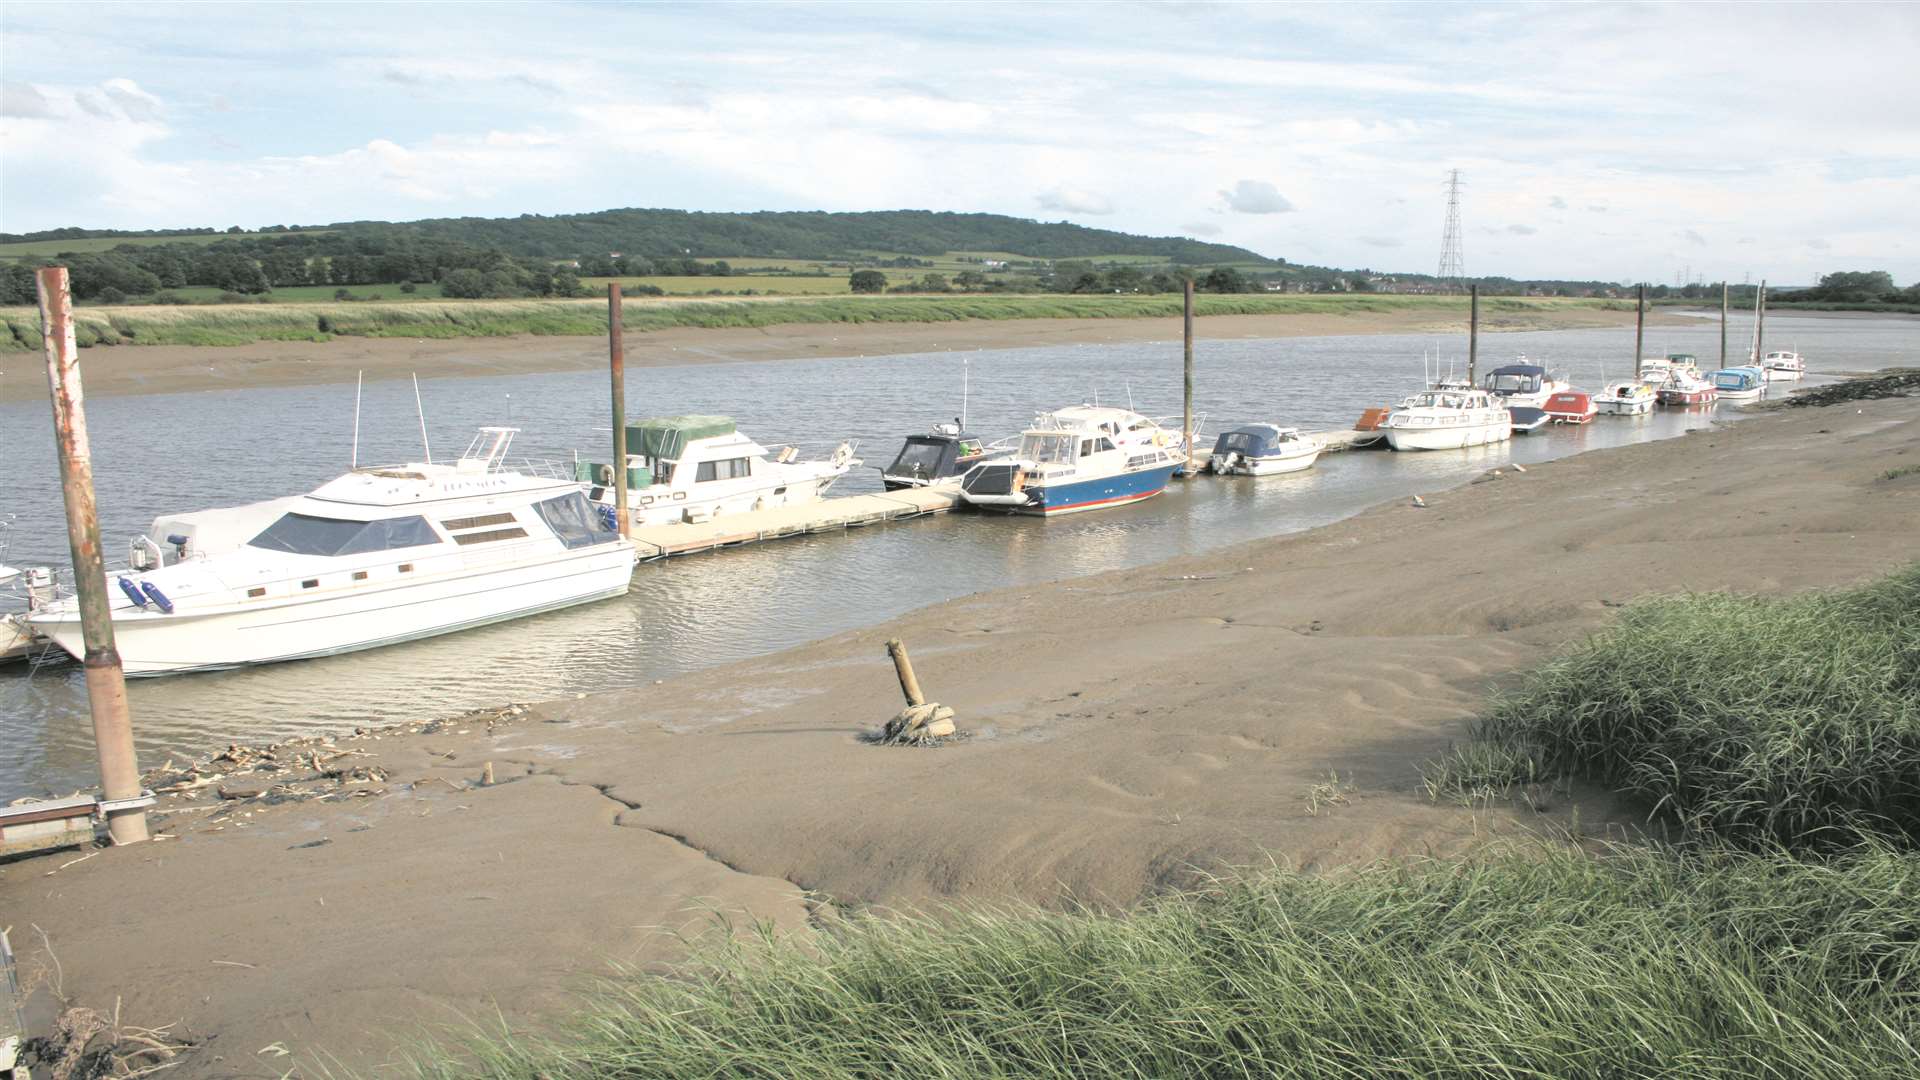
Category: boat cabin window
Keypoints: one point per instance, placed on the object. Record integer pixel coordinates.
(1047, 449)
(730, 469)
(481, 522)
(1094, 446)
(489, 536)
(1513, 384)
(920, 457)
(304, 534)
(574, 520)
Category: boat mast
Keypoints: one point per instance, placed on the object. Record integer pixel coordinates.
(1473, 335)
(425, 447)
(966, 382)
(358, 379)
(1723, 324)
(1639, 328)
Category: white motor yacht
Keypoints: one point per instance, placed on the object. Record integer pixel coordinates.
(1086, 457)
(1523, 384)
(696, 468)
(1784, 365)
(1448, 420)
(1263, 450)
(378, 556)
(1628, 397)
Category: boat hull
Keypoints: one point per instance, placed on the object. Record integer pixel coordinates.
(1455, 437)
(1275, 465)
(1053, 500)
(229, 636)
(1784, 375)
(1683, 398)
(1625, 406)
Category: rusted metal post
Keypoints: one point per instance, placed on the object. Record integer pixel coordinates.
(617, 365)
(1473, 336)
(1640, 330)
(106, 683)
(1186, 412)
(903, 667)
(1723, 324)
(1760, 323)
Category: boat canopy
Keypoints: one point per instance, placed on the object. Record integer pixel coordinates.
(1682, 358)
(1515, 378)
(1253, 440)
(666, 437)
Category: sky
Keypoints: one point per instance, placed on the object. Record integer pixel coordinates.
(1614, 142)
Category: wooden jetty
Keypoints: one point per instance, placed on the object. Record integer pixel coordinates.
(826, 515)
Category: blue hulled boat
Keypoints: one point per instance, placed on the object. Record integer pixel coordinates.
(1080, 458)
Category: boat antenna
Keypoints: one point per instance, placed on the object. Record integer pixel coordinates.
(422, 411)
(1129, 385)
(966, 381)
(358, 379)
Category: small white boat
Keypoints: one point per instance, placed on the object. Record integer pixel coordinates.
(1784, 365)
(378, 556)
(1684, 385)
(941, 456)
(1449, 420)
(1739, 383)
(696, 468)
(1087, 457)
(1628, 397)
(1263, 450)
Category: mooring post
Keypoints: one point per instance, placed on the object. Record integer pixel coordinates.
(617, 367)
(1473, 335)
(1760, 322)
(106, 683)
(1639, 328)
(903, 667)
(1186, 412)
(1723, 323)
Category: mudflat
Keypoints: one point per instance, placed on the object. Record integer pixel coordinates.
(147, 369)
(1127, 731)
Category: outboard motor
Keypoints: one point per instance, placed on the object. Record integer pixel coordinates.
(40, 591)
(143, 554)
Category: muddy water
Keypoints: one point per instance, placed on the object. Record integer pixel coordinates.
(163, 453)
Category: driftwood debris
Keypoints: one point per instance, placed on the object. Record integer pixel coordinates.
(922, 722)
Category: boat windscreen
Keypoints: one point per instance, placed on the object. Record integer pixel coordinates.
(1047, 449)
(304, 534)
(920, 457)
(574, 520)
(1241, 442)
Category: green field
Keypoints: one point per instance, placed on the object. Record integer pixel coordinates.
(795, 285)
(316, 294)
(240, 324)
(28, 248)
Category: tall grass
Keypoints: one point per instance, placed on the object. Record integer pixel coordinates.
(241, 324)
(1540, 964)
(1758, 720)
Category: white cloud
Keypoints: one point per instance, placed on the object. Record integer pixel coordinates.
(1201, 228)
(1256, 197)
(1522, 230)
(1073, 201)
(1557, 203)
(21, 99)
(1382, 241)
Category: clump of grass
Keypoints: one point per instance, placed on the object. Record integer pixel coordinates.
(1900, 471)
(1791, 721)
(1527, 964)
(1478, 772)
(1321, 798)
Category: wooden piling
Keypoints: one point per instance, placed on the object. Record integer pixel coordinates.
(617, 369)
(1760, 323)
(1639, 328)
(106, 682)
(903, 667)
(486, 775)
(1186, 413)
(1723, 323)
(1473, 335)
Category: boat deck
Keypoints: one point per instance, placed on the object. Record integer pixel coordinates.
(827, 515)
(1334, 442)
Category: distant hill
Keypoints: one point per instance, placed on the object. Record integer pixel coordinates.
(811, 235)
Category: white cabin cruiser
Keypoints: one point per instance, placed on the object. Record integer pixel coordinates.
(375, 557)
(695, 468)
(1081, 458)
(1448, 419)
(1628, 397)
(1784, 365)
(1263, 450)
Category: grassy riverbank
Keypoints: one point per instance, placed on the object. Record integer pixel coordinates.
(1544, 963)
(242, 324)
(1763, 720)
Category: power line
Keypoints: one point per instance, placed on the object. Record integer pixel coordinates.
(1453, 265)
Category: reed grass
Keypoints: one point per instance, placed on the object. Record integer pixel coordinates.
(1535, 964)
(1791, 721)
(241, 324)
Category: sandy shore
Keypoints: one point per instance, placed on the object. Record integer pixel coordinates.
(1128, 730)
(171, 368)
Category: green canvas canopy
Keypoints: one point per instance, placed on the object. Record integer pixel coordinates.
(666, 437)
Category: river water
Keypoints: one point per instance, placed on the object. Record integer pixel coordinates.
(170, 452)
